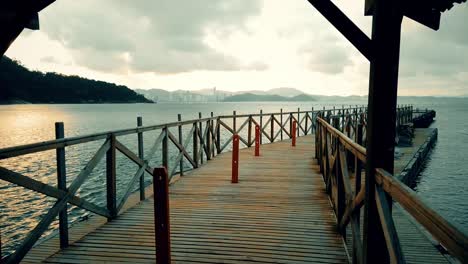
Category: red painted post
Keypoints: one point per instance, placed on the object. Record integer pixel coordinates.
(235, 159)
(293, 133)
(162, 227)
(257, 140)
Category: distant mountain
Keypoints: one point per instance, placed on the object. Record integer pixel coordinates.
(212, 94)
(250, 97)
(287, 92)
(20, 85)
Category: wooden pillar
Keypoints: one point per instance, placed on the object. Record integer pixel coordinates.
(272, 129)
(261, 125)
(293, 133)
(235, 159)
(249, 132)
(257, 140)
(165, 149)
(383, 83)
(162, 224)
(195, 144)
(208, 139)
(218, 136)
(141, 155)
(281, 122)
(312, 121)
(298, 121)
(290, 125)
(62, 185)
(111, 180)
(181, 163)
(234, 122)
(200, 133)
(213, 136)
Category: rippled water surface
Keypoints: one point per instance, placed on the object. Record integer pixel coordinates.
(443, 184)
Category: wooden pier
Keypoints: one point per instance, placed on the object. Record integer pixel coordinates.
(277, 213)
(292, 204)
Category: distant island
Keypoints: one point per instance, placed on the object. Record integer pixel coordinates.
(250, 97)
(20, 85)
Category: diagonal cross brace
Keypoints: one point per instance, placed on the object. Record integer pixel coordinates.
(345, 26)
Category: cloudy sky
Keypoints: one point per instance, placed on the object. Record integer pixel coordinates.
(235, 45)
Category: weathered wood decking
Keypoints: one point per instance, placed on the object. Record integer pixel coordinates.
(277, 213)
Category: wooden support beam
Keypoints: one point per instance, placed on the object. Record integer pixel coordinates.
(343, 24)
(383, 85)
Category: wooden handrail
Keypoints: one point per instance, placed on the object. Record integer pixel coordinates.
(447, 234)
(330, 141)
(15, 151)
(350, 145)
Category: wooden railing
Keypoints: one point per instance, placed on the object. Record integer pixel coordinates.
(341, 159)
(204, 139)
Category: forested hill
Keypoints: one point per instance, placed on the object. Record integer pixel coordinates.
(20, 85)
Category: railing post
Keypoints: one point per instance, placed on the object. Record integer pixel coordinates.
(195, 144)
(213, 136)
(165, 149)
(141, 156)
(306, 123)
(357, 162)
(218, 135)
(200, 132)
(312, 121)
(291, 125)
(281, 122)
(62, 185)
(234, 122)
(340, 192)
(411, 113)
(298, 121)
(181, 163)
(293, 133)
(235, 159)
(343, 119)
(249, 132)
(257, 140)
(261, 125)
(208, 139)
(272, 129)
(162, 224)
(111, 179)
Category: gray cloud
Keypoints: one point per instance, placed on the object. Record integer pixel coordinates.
(164, 36)
(330, 57)
(331, 61)
(439, 56)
